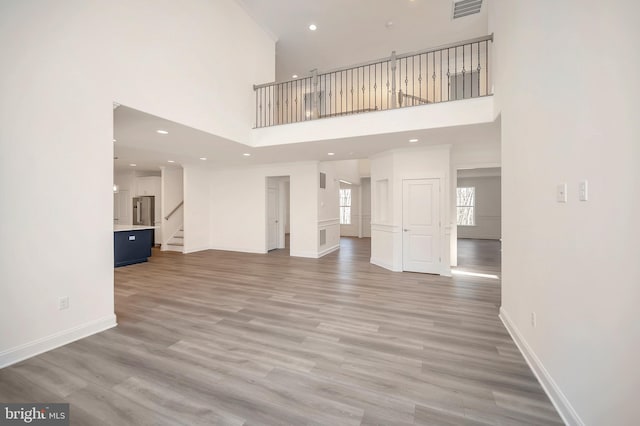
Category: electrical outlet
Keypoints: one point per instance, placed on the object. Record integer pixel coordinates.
(533, 319)
(63, 303)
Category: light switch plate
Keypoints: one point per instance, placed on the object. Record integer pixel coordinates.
(63, 303)
(561, 193)
(583, 191)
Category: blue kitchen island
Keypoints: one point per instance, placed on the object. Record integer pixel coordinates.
(132, 244)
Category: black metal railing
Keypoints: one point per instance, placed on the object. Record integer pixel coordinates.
(441, 74)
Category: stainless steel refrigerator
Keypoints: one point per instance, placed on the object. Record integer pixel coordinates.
(144, 210)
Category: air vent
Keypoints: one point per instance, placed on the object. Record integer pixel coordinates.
(463, 8)
(323, 237)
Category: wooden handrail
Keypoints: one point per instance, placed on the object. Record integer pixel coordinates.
(174, 210)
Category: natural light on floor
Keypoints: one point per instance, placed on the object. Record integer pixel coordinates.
(474, 274)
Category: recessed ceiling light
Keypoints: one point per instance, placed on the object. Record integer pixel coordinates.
(331, 153)
(133, 164)
(413, 140)
(203, 158)
(170, 161)
(294, 76)
(246, 154)
(162, 132)
(313, 27)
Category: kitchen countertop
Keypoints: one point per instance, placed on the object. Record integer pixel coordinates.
(121, 228)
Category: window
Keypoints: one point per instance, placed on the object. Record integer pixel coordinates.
(466, 202)
(345, 207)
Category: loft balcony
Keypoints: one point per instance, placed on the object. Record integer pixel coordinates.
(410, 81)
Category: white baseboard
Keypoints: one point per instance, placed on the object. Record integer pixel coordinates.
(328, 250)
(559, 400)
(445, 271)
(238, 249)
(383, 264)
(303, 253)
(194, 250)
(176, 249)
(45, 344)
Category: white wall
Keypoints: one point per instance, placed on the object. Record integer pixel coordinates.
(384, 247)
(238, 208)
(348, 170)
(565, 118)
(487, 208)
(197, 209)
(172, 196)
(386, 227)
(287, 207)
(68, 62)
(364, 167)
(365, 192)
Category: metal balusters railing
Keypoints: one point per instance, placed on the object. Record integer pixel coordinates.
(446, 73)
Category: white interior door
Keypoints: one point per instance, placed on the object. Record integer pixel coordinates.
(272, 218)
(421, 249)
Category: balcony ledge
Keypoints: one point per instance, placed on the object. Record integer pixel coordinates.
(431, 116)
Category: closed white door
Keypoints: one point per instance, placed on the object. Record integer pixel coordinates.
(421, 250)
(272, 218)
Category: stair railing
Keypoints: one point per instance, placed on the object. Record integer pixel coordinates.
(440, 74)
(174, 210)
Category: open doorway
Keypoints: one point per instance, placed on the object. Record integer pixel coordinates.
(355, 217)
(355, 208)
(478, 220)
(278, 213)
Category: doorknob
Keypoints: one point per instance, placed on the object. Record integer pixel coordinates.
(406, 230)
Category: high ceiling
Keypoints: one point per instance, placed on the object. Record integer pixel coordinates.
(349, 32)
(355, 31)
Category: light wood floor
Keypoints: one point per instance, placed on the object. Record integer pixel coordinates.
(245, 339)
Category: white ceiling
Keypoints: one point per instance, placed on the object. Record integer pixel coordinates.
(349, 31)
(355, 31)
(138, 142)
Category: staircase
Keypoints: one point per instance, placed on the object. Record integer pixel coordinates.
(176, 242)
